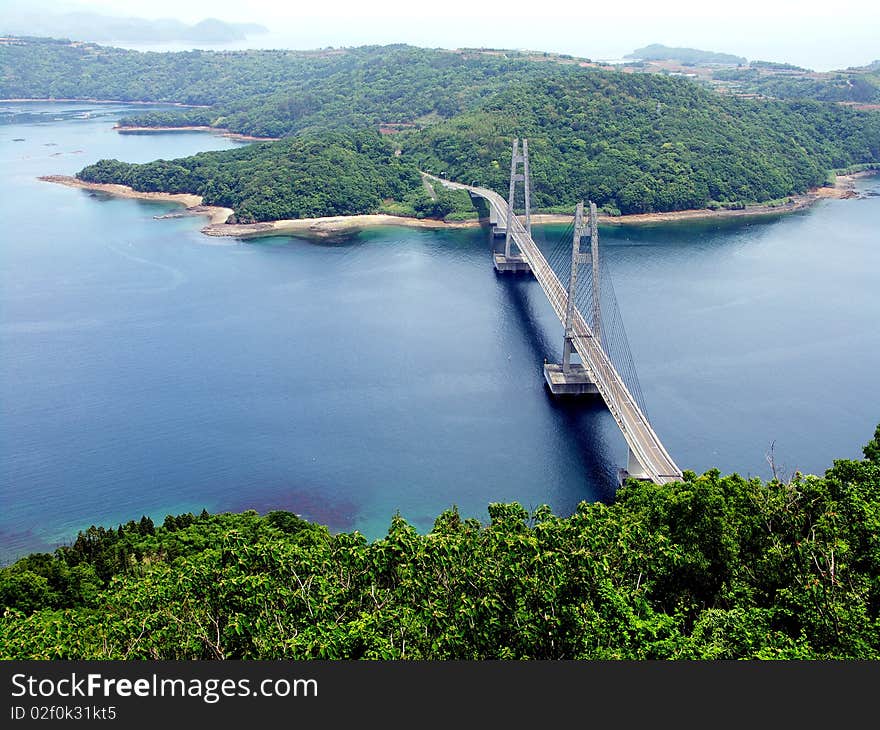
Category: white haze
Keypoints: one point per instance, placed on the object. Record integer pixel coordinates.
(819, 35)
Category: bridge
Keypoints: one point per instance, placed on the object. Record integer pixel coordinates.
(596, 373)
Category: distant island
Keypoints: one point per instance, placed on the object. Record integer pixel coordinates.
(106, 28)
(659, 52)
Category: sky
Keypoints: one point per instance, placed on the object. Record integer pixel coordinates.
(819, 35)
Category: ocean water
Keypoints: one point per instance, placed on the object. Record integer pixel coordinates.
(148, 369)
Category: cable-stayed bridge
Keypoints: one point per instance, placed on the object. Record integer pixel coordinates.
(587, 309)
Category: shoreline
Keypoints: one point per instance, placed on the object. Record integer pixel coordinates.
(192, 203)
(221, 131)
(336, 225)
(108, 101)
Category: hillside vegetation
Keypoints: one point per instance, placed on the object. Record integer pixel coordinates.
(642, 143)
(631, 142)
(712, 567)
(301, 177)
(856, 85)
(270, 93)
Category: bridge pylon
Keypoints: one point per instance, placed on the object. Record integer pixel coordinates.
(510, 262)
(570, 378)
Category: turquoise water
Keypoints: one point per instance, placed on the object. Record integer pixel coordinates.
(148, 369)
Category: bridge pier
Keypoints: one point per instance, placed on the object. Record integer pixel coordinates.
(634, 469)
(576, 381)
(513, 264)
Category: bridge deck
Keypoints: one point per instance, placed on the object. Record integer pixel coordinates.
(634, 425)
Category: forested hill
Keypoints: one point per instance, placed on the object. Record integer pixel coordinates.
(272, 93)
(712, 567)
(631, 142)
(642, 143)
(334, 173)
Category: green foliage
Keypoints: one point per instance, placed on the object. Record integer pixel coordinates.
(269, 93)
(712, 567)
(335, 173)
(850, 169)
(442, 204)
(776, 66)
(872, 449)
(643, 143)
(783, 81)
(632, 142)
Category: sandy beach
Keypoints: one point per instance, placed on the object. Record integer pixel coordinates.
(191, 203)
(106, 101)
(194, 128)
(336, 225)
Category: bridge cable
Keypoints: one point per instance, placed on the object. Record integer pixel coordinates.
(616, 342)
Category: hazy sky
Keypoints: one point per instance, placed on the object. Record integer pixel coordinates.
(820, 35)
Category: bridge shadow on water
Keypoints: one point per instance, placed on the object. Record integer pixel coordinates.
(584, 424)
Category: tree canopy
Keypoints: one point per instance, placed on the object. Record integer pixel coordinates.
(632, 142)
(711, 567)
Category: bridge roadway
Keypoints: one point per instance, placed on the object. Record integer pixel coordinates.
(645, 446)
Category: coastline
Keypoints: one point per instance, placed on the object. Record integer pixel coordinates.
(110, 101)
(191, 203)
(193, 128)
(336, 225)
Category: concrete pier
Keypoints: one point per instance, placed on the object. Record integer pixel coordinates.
(513, 264)
(634, 470)
(574, 382)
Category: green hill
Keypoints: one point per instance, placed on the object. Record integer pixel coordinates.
(861, 86)
(632, 142)
(301, 177)
(641, 143)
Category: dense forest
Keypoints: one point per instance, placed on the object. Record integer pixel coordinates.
(642, 143)
(603, 136)
(632, 142)
(712, 567)
(336, 173)
(273, 93)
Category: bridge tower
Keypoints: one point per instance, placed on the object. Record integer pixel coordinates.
(510, 262)
(570, 378)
